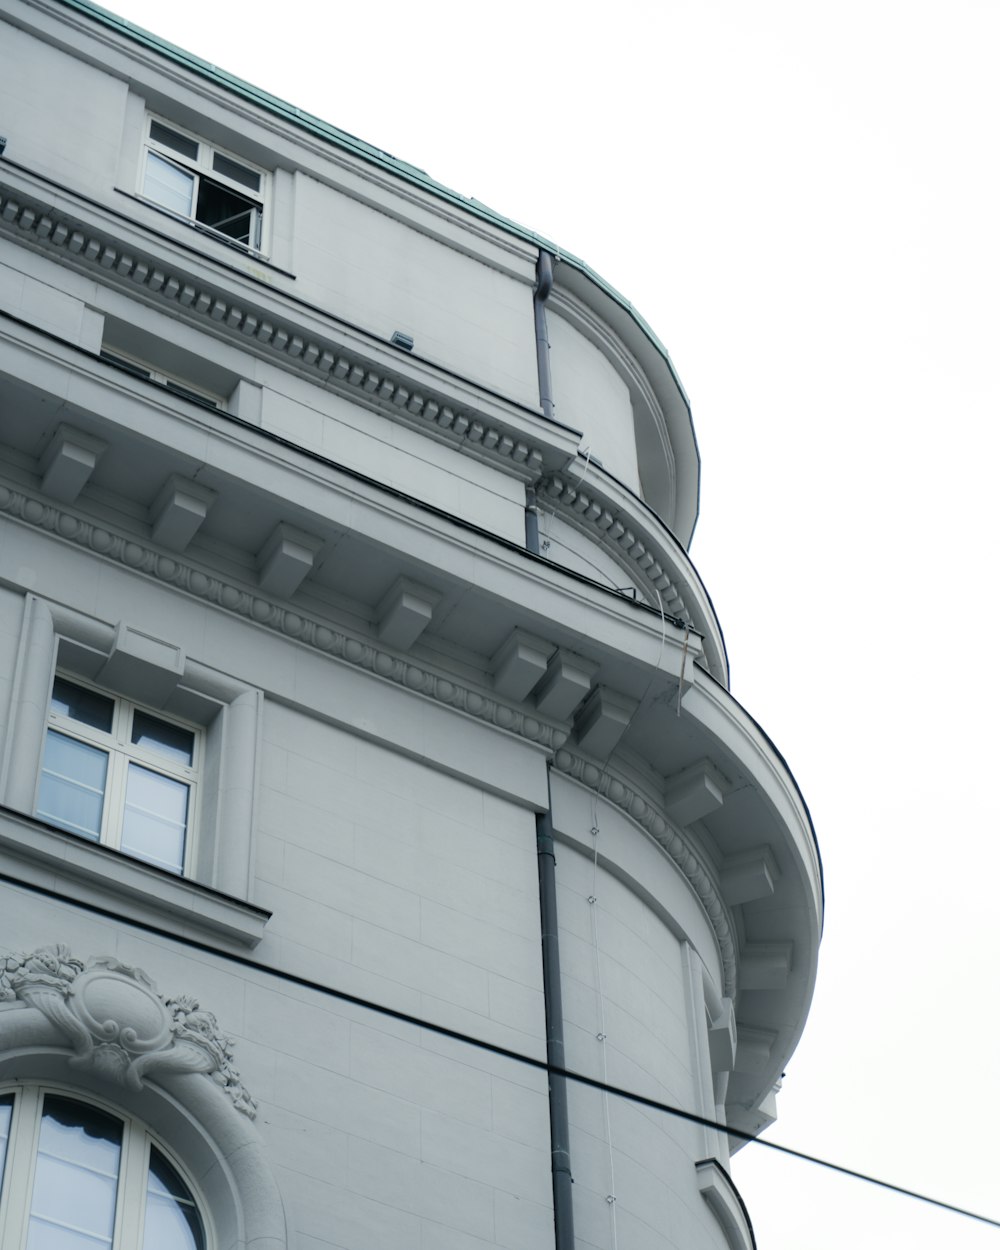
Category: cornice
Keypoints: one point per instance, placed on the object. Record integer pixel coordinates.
(644, 554)
(321, 358)
(269, 613)
(573, 309)
(131, 552)
(646, 811)
(333, 365)
(609, 527)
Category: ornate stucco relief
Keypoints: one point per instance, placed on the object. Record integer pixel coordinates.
(116, 1021)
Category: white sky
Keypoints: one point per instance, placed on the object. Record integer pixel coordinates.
(803, 200)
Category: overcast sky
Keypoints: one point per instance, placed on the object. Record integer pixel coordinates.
(802, 200)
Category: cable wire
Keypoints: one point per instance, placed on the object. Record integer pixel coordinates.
(602, 1036)
(478, 1043)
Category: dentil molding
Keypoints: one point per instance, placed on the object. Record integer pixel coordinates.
(363, 653)
(643, 554)
(325, 360)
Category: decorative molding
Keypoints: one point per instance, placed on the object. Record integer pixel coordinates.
(644, 810)
(118, 1024)
(241, 601)
(611, 528)
(364, 654)
(643, 554)
(325, 360)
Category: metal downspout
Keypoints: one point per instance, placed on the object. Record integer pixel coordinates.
(543, 285)
(562, 1176)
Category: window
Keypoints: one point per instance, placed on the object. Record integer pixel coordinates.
(115, 773)
(77, 1177)
(196, 181)
(140, 369)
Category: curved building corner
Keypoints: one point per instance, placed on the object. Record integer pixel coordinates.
(368, 769)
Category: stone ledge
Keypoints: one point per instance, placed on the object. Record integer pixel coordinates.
(118, 881)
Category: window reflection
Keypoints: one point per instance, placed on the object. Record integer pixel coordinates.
(89, 1181)
(76, 1178)
(172, 1219)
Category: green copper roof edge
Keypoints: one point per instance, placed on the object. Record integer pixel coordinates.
(375, 156)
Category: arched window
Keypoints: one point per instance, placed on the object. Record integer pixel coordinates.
(77, 1177)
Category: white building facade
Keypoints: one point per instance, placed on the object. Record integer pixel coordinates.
(366, 735)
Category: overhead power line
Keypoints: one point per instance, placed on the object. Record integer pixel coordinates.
(493, 1048)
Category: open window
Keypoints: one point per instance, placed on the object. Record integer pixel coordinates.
(195, 180)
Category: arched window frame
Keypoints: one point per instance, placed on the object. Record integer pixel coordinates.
(202, 1111)
(17, 1176)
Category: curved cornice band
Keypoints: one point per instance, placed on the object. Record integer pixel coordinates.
(334, 641)
(644, 553)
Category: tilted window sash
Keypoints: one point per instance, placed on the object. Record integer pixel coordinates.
(189, 178)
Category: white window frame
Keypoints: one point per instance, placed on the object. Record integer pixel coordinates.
(17, 1179)
(215, 895)
(121, 752)
(202, 167)
(173, 382)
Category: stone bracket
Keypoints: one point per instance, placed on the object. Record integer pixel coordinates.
(286, 559)
(565, 684)
(694, 793)
(404, 612)
(178, 511)
(519, 663)
(68, 461)
(749, 876)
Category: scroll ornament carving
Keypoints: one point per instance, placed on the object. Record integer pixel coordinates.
(117, 1023)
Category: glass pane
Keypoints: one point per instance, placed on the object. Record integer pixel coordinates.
(6, 1108)
(76, 1178)
(71, 793)
(86, 706)
(172, 1219)
(239, 173)
(168, 185)
(165, 739)
(155, 824)
(171, 139)
(227, 211)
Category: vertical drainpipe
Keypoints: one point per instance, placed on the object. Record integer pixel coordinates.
(543, 285)
(555, 1047)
